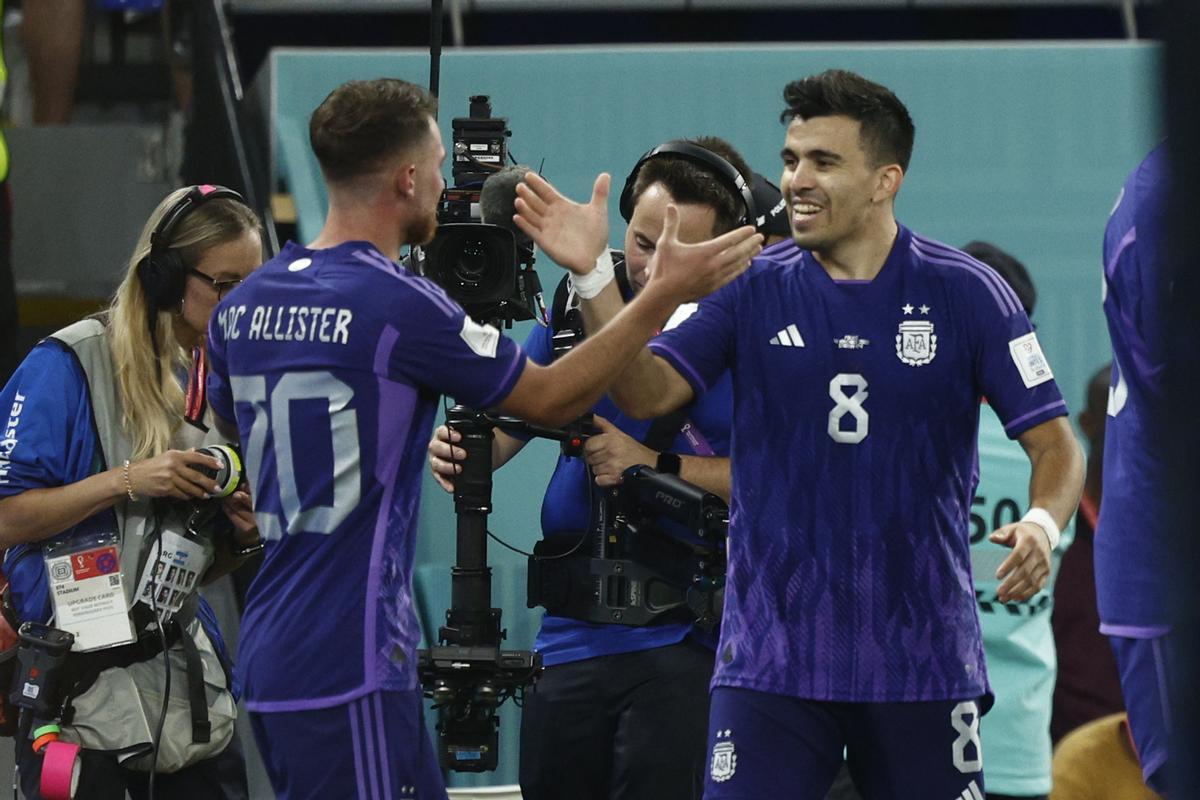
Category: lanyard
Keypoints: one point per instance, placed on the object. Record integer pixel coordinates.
(695, 438)
(197, 377)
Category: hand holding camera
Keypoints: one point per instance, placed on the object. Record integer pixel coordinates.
(445, 461)
(612, 451)
(179, 474)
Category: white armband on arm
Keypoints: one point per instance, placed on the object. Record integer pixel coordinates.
(1042, 518)
(589, 285)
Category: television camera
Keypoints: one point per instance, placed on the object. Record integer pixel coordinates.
(487, 268)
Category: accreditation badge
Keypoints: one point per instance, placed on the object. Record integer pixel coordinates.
(88, 592)
(170, 579)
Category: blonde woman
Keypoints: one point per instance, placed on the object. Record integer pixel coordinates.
(103, 495)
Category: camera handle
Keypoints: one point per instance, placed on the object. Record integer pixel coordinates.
(471, 620)
(467, 675)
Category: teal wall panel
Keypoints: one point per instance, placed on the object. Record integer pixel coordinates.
(1024, 145)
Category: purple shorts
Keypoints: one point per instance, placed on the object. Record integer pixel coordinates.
(373, 748)
(763, 745)
(1144, 664)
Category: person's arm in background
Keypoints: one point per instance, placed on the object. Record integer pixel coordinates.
(612, 452)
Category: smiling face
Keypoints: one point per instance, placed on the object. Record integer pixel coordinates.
(833, 190)
(696, 224)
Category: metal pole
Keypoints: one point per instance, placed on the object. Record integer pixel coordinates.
(435, 46)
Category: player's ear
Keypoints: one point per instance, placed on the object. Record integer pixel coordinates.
(887, 183)
(404, 178)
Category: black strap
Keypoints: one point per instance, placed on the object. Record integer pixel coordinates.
(197, 700)
(82, 669)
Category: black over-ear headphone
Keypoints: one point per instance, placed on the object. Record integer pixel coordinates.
(705, 158)
(162, 272)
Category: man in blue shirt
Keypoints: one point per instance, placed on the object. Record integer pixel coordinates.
(621, 711)
(328, 365)
(859, 353)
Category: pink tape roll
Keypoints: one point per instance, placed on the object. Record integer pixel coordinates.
(60, 771)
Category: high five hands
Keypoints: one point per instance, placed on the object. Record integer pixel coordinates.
(575, 234)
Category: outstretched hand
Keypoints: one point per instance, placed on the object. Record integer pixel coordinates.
(1027, 568)
(572, 234)
(687, 272)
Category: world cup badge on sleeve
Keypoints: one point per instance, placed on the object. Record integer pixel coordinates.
(916, 343)
(724, 758)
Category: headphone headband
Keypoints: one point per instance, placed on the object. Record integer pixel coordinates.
(698, 155)
(162, 272)
(160, 239)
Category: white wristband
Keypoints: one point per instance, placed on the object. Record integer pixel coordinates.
(589, 285)
(1041, 517)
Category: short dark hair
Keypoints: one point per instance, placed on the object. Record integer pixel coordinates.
(362, 123)
(689, 181)
(498, 197)
(1012, 270)
(887, 129)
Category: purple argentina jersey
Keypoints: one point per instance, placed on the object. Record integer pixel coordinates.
(1131, 537)
(856, 409)
(333, 362)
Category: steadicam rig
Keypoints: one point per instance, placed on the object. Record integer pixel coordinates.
(467, 675)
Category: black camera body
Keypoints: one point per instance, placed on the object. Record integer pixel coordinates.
(487, 268)
(40, 655)
(467, 685)
(636, 570)
(480, 143)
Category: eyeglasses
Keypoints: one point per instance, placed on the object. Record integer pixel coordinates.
(222, 288)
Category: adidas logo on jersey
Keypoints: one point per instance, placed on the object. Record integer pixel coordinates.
(971, 792)
(788, 337)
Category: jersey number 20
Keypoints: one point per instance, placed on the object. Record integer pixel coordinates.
(275, 413)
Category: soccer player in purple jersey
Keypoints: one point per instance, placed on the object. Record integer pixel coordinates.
(328, 366)
(1132, 542)
(859, 353)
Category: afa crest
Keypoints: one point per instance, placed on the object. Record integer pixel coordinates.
(724, 761)
(916, 343)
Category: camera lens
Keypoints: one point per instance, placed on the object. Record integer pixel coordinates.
(472, 262)
(229, 475)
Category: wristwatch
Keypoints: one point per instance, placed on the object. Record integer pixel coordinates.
(668, 462)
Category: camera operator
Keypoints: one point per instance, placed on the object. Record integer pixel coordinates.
(621, 711)
(96, 464)
(338, 342)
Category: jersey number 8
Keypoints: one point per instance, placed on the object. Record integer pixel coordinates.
(851, 404)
